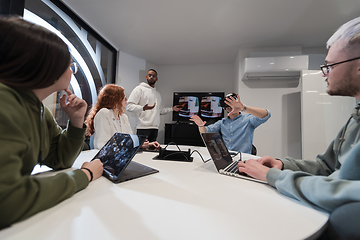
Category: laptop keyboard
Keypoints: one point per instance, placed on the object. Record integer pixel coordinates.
(233, 170)
(232, 167)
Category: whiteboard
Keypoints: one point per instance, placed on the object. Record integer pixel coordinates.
(322, 116)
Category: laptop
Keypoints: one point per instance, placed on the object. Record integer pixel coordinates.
(116, 156)
(221, 157)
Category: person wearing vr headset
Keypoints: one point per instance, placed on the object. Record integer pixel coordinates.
(237, 129)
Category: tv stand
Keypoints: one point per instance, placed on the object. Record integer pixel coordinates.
(183, 133)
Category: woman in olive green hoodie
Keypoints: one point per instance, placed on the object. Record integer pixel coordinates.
(35, 63)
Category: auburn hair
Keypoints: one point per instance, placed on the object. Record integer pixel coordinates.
(110, 97)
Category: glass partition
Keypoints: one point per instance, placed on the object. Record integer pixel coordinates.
(96, 57)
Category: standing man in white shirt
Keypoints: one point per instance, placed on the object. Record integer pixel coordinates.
(145, 102)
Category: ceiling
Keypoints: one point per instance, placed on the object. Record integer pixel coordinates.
(212, 31)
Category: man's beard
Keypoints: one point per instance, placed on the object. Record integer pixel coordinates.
(346, 87)
(151, 82)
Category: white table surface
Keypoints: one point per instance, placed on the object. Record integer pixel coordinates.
(183, 201)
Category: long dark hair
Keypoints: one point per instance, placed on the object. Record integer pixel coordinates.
(31, 57)
(110, 97)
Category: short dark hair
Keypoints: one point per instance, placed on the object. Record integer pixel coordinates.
(31, 57)
(151, 69)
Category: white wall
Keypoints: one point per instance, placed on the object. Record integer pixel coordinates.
(322, 115)
(280, 136)
(130, 72)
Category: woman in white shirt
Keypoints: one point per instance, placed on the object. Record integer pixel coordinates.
(108, 117)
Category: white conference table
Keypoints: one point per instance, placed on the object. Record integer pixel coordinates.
(185, 200)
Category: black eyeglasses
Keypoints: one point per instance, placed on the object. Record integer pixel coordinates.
(325, 68)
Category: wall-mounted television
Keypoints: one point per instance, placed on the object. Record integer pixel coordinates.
(204, 104)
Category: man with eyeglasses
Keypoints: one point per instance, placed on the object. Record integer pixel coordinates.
(332, 182)
(145, 102)
(237, 129)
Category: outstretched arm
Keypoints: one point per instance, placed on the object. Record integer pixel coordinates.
(238, 106)
(177, 108)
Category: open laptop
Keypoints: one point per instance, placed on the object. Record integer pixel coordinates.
(116, 156)
(222, 158)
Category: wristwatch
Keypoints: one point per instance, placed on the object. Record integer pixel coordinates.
(244, 109)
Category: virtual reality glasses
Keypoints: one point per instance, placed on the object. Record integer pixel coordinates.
(222, 102)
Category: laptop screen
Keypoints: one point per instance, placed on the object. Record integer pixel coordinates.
(217, 149)
(117, 153)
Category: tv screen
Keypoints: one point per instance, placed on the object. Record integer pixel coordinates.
(204, 104)
(190, 106)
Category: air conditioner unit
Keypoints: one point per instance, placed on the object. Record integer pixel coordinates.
(274, 68)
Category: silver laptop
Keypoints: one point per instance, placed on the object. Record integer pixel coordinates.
(116, 156)
(221, 157)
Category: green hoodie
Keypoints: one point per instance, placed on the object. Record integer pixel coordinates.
(25, 132)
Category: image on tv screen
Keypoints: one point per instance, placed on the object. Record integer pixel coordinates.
(210, 107)
(190, 106)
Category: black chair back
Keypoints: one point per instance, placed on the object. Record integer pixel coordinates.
(253, 150)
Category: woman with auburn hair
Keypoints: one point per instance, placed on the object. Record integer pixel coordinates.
(108, 117)
(35, 63)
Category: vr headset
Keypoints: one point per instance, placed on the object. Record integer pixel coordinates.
(222, 101)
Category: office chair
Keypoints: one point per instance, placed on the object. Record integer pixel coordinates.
(91, 142)
(253, 150)
(88, 143)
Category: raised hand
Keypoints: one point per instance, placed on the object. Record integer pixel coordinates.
(74, 107)
(197, 120)
(235, 104)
